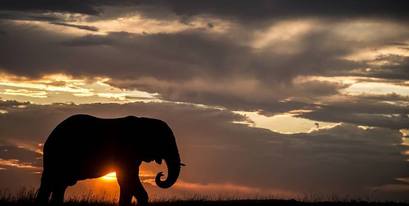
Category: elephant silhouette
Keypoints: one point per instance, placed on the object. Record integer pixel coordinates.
(84, 146)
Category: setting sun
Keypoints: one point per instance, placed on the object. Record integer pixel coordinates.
(109, 177)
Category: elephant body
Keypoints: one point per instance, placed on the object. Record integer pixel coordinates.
(83, 147)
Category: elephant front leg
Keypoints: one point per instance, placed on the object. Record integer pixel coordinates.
(130, 185)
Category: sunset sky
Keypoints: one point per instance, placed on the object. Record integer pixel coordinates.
(267, 98)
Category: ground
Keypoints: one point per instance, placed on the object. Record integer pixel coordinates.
(27, 199)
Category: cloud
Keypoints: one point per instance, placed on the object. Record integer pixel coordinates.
(29, 16)
(78, 6)
(395, 69)
(240, 10)
(84, 27)
(19, 155)
(61, 88)
(262, 9)
(345, 155)
(11, 104)
(198, 54)
(216, 69)
(207, 68)
(210, 69)
(369, 111)
(16, 163)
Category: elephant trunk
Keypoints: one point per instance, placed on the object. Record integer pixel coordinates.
(173, 165)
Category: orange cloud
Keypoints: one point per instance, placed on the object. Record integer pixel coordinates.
(17, 164)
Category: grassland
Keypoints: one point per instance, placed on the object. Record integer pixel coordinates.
(26, 198)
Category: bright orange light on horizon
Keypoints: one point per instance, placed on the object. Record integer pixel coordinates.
(144, 174)
(109, 177)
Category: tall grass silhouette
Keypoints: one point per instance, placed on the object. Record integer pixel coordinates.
(26, 197)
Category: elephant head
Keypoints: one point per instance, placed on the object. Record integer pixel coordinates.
(170, 154)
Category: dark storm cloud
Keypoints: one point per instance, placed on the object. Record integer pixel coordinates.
(268, 107)
(388, 97)
(368, 111)
(176, 59)
(219, 151)
(17, 15)
(267, 9)
(84, 27)
(175, 56)
(243, 10)
(76, 6)
(202, 67)
(50, 18)
(194, 66)
(90, 40)
(398, 68)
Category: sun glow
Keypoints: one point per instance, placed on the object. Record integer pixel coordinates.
(146, 176)
(109, 177)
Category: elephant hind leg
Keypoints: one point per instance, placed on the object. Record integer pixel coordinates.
(125, 189)
(125, 196)
(57, 197)
(44, 192)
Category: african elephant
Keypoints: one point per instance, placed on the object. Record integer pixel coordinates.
(83, 146)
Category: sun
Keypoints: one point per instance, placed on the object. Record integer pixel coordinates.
(109, 177)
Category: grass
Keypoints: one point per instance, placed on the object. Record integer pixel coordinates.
(27, 197)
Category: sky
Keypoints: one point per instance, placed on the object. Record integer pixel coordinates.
(285, 99)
